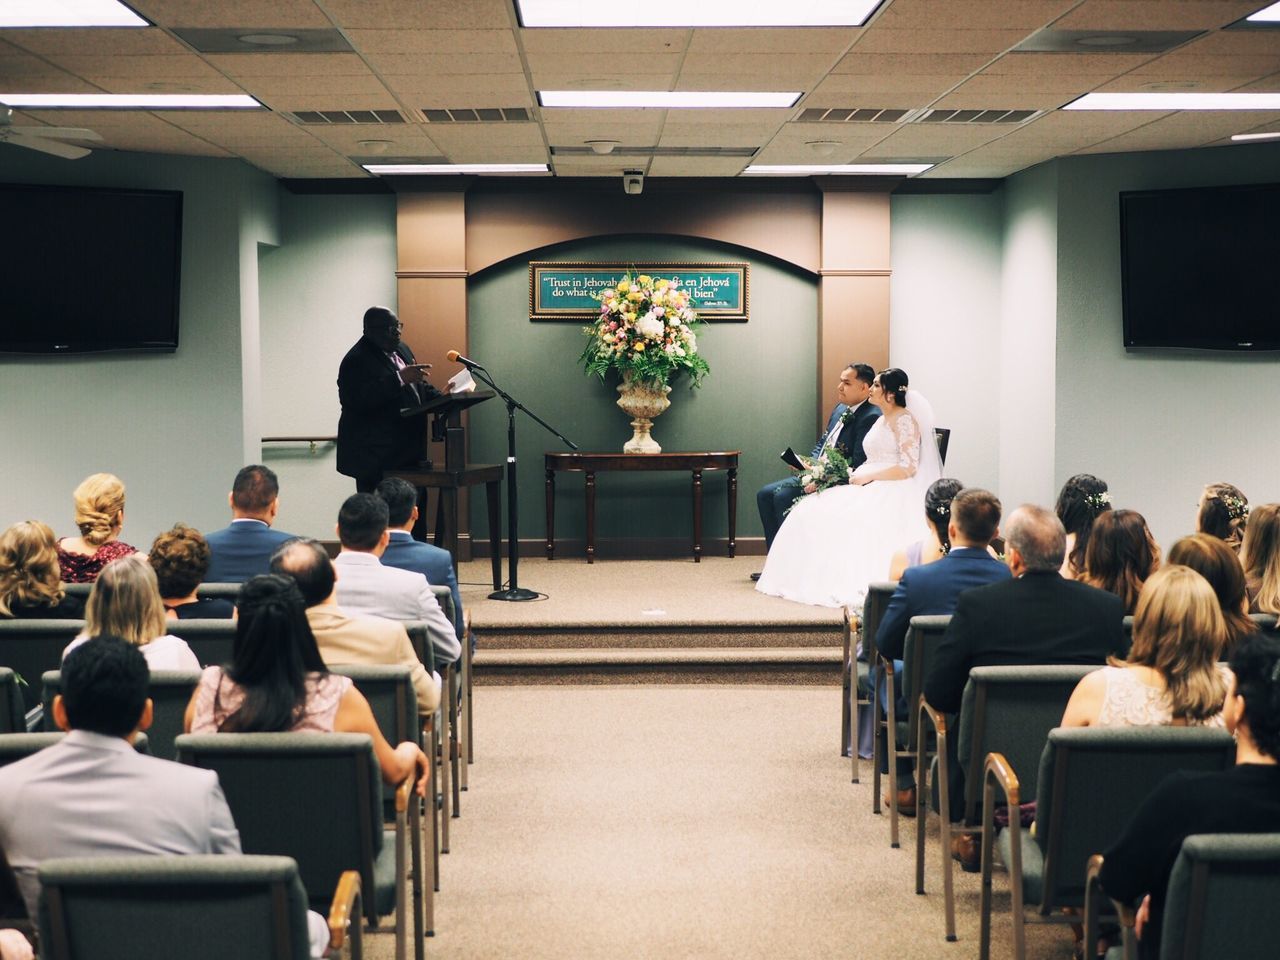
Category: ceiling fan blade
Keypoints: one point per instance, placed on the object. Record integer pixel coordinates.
(58, 133)
(64, 150)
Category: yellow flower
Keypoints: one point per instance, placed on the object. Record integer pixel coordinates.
(639, 346)
(644, 279)
(635, 295)
(663, 284)
(624, 285)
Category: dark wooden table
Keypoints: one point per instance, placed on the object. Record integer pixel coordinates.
(448, 483)
(593, 463)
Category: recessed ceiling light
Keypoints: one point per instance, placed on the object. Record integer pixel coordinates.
(132, 101)
(1246, 137)
(1269, 14)
(374, 146)
(703, 13)
(1106, 40)
(806, 169)
(68, 13)
(1176, 101)
(268, 39)
(391, 169)
(664, 99)
(823, 148)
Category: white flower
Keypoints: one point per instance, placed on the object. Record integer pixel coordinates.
(650, 326)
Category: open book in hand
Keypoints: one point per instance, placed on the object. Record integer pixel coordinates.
(792, 459)
(461, 382)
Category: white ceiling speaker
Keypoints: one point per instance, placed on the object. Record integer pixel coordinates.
(602, 147)
(823, 148)
(45, 139)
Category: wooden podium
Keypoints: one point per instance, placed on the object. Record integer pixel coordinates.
(446, 425)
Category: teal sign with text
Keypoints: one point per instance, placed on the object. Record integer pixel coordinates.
(571, 291)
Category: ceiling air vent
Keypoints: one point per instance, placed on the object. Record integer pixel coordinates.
(348, 116)
(477, 115)
(659, 151)
(976, 116)
(851, 115)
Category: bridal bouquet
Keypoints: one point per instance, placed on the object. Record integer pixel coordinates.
(645, 328)
(828, 469)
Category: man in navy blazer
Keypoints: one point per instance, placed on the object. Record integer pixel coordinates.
(407, 553)
(846, 429)
(243, 549)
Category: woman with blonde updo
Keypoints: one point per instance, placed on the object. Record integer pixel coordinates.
(99, 515)
(1223, 513)
(30, 581)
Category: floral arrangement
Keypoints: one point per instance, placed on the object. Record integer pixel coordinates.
(828, 469)
(1098, 501)
(646, 328)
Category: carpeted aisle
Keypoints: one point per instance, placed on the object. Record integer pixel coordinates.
(681, 821)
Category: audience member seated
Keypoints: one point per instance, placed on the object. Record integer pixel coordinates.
(1082, 499)
(277, 682)
(934, 589)
(366, 586)
(243, 549)
(1121, 555)
(341, 637)
(1260, 556)
(99, 504)
(1224, 513)
(404, 552)
(1214, 560)
(1172, 675)
(125, 602)
(1244, 799)
(937, 514)
(180, 558)
(30, 580)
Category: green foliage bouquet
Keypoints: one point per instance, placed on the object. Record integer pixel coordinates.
(828, 469)
(646, 328)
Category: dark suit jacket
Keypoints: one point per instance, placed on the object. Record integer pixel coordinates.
(849, 442)
(431, 561)
(241, 550)
(1039, 618)
(372, 436)
(934, 588)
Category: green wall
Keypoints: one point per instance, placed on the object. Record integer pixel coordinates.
(758, 398)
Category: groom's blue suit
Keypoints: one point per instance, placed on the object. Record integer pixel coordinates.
(775, 499)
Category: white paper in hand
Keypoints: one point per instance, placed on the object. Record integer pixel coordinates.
(461, 382)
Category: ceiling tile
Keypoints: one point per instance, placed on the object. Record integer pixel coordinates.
(717, 135)
(1008, 100)
(919, 88)
(1067, 87)
(566, 77)
(421, 14)
(970, 14)
(1183, 130)
(174, 84)
(1108, 65)
(718, 41)
(598, 167)
(604, 43)
(461, 91)
(793, 82)
(764, 64)
(633, 132)
(914, 64)
(432, 64)
(445, 42)
(1189, 63)
(289, 64)
(927, 40)
(338, 89)
(697, 166)
(455, 136)
(964, 167)
(1236, 42)
(233, 13)
(938, 139)
(292, 103)
(144, 68)
(1156, 14)
(116, 41)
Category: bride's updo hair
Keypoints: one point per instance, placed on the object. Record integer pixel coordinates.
(1224, 513)
(937, 507)
(1082, 499)
(894, 383)
(99, 500)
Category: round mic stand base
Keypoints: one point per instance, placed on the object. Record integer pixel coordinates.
(518, 593)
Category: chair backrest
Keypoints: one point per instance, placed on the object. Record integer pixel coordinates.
(1221, 898)
(1127, 639)
(81, 590)
(202, 907)
(219, 591)
(17, 746)
(209, 640)
(316, 797)
(1266, 622)
(1010, 710)
(30, 647)
(170, 692)
(12, 712)
(389, 690)
(445, 598)
(1092, 779)
(923, 635)
(420, 638)
(873, 607)
(943, 437)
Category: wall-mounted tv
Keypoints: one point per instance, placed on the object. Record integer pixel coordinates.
(87, 270)
(1201, 267)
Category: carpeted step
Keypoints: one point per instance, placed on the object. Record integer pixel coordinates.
(661, 635)
(660, 665)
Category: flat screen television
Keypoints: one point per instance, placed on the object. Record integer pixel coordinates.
(1201, 267)
(88, 270)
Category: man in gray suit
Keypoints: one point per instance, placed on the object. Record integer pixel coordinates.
(367, 586)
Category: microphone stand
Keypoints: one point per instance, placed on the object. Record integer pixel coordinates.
(514, 591)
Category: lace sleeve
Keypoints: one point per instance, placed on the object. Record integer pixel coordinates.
(907, 432)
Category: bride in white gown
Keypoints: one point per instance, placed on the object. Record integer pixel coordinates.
(832, 544)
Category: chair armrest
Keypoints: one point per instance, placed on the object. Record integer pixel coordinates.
(936, 717)
(346, 905)
(1093, 894)
(850, 625)
(403, 792)
(996, 770)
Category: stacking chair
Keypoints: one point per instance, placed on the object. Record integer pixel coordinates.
(901, 733)
(858, 658)
(1266, 622)
(170, 692)
(317, 797)
(210, 640)
(12, 715)
(1005, 710)
(30, 647)
(389, 690)
(81, 590)
(458, 712)
(17, 746)
(1091, 781)
(219, 591)
(1220, 902)
(202, 907)
(421, 640)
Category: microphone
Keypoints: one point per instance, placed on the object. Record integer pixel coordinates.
(455, 357)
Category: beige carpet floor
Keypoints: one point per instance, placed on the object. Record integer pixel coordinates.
(679, 821)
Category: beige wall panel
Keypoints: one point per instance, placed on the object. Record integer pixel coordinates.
(431, 232)
(855, 231)
(853, 326)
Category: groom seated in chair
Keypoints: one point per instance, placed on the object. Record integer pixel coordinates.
(846, 429)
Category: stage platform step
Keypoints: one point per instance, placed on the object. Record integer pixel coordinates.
(805, 665)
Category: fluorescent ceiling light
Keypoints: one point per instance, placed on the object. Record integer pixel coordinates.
(1246, 137)
(1269, 14)
(806, 169)
(1176, 101)
(701, 13)
(68, 13)
(132, 101)
(384, 169)
(675, 99)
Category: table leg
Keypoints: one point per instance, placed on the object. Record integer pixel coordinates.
(492, 489)
(733, 510)
(449, 524)
(551, 514)
(697, 516)
(419, 531)
(591, 517)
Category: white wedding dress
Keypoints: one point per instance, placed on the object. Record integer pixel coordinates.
(832, 544)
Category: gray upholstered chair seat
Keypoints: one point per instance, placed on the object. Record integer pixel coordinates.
(1032, 862)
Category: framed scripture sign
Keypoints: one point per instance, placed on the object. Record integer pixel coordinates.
(568, 291)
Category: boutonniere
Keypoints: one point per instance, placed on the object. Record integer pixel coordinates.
(846, 416)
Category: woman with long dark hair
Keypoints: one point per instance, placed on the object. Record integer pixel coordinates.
(1121, 555)
(1213, 559)
(1081, 501)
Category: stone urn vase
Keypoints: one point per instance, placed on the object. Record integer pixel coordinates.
(642, 401)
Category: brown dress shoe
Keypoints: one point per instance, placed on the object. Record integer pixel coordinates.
(965, 851)
(906, 801)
